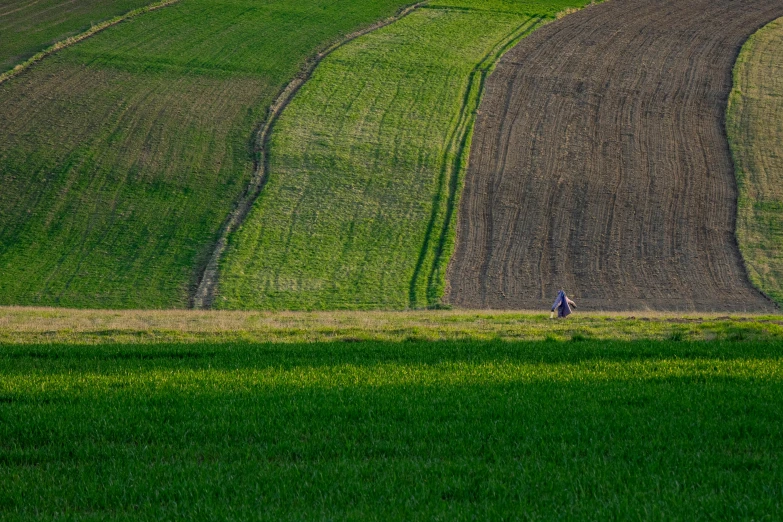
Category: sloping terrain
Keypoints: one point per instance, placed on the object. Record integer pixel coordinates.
(28, 26)
(121, 157)
(754, 122)
(365, 167)
(600, 164)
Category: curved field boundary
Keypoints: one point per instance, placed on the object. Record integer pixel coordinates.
(95, 29)
(600, 164)
(754, 122)
(205, 292)
(440, 236)
(363, 167)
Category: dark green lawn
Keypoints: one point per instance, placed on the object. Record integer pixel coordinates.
(647, 430)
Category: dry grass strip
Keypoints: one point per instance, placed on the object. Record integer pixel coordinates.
(25, 325)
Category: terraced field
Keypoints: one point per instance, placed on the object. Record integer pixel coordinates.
(121, 156)
(600, 164)
(755, 126)
(29, 26)
(365, 166)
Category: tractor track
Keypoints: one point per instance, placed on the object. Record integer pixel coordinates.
(600, 164)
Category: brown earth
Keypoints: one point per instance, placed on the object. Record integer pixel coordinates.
(600, 164)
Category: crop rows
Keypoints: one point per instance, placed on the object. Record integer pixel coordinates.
(599, 164)
(29, 26)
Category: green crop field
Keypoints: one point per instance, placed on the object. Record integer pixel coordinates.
(29, 26)
(214, 427)
(121, 156)
(365, 166)
(755, 126)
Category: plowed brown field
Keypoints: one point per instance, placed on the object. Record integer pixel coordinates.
(600, 164)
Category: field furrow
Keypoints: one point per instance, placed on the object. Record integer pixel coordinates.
(600, 165)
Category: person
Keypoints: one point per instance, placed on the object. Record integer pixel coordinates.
(563, 305)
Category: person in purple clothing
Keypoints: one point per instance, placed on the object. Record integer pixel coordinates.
(563, 305)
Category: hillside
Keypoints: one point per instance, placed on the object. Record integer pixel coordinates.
(120, 157)
(600, 164)
(365, 166)
(755, 125)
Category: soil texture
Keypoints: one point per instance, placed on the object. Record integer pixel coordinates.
(600, 164)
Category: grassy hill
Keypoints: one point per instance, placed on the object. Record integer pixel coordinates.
(30, 26)
(121, 156)
(365, 165)
(755, 126)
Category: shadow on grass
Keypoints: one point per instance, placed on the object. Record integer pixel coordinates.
(237, 355)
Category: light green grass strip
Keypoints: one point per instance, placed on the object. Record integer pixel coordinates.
(365, 168)
(80, 37)
(754, 124)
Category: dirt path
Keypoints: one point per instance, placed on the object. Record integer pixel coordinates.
(600, 164)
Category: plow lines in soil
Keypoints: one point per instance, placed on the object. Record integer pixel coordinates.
(600, 164)
(365, 168)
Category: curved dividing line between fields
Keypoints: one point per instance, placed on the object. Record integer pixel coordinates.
(450, 177)
(600, 164)
(95, 29)
(205, 292)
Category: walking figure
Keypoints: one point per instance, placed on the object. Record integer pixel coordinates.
(563, 305)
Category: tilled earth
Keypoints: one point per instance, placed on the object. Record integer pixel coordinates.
(600, 164)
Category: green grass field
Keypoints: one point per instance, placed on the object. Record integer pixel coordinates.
(29, 26)
(579, 428)
(754, 123)
(120, 157)
(365, 166)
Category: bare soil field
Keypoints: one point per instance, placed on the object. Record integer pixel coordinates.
(600, 164)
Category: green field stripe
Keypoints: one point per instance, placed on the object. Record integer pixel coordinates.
(755, 133)
(204, 294)
(459, 145)
(588, 430)
(358, 208)
(71, 40)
